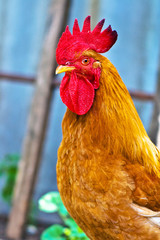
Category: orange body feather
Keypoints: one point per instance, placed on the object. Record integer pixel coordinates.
(106, 162)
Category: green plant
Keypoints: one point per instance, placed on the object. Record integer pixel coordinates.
(50, 203)
(8, 169)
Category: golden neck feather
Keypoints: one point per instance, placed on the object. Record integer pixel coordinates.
(113, 123)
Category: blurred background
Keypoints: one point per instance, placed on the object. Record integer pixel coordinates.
(23, 28)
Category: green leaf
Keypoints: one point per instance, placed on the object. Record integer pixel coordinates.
(79, 230)
(78, 234)
(63, 211)
(67, 231)
(8, 169)
(7, 194)
(2, 169)
(50, 202)
(9, 163)
(71, 223)
(53, 232)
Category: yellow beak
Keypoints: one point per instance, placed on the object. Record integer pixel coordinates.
(63, 68)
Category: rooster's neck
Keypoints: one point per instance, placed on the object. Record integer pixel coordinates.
(112, 124)
(120, 122)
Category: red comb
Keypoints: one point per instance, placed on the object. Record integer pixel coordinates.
(69, 44)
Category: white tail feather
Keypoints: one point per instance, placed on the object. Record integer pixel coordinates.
(153, 217)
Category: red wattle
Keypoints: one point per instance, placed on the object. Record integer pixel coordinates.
(77, 93)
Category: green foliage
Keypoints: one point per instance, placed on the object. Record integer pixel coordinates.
(50, 203)
(8, 169)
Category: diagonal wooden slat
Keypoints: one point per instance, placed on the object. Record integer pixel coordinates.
(33, 142)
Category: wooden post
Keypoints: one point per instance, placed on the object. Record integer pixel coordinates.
(158, 134)
(155, 123)
(33, 141)
(158, 111)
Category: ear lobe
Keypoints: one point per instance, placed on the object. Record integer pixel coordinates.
(97, 73)
(96, 64)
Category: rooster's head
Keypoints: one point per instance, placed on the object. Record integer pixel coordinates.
(82, 72)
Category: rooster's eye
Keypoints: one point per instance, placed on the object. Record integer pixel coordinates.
(85, 61)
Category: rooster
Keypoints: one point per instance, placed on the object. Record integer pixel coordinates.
(108, 170)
